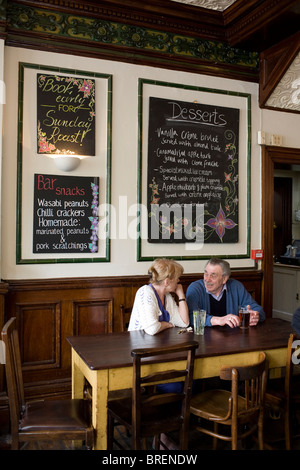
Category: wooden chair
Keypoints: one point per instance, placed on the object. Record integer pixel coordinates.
(115, 394)
(40, 420)
(244, 414)
(125, 317)
(284, 393)
(148, 414)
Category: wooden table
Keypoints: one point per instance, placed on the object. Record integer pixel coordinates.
(105, 360)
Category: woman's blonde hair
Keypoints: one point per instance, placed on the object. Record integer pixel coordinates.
(162, 268)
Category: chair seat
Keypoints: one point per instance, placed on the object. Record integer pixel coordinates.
(168, 415)
(276, 393)
(69, 415)
(213, 404)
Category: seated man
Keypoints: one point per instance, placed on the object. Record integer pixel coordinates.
(221, 297)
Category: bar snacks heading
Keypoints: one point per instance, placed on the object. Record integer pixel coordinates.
(65, 214)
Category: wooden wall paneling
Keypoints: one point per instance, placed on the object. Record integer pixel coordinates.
(39, 335)
(125, 295)
(3, 292)
(50, 310)
(92, 317)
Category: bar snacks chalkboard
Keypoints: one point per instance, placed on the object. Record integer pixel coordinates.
(65, 214)
(192, 161)
(65, 115)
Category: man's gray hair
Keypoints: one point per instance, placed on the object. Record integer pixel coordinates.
(225, 266)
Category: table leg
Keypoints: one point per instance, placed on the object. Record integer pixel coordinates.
(99, 409)
(98, 380)
(77, 377)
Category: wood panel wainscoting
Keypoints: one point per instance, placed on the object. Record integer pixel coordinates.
(50, 310)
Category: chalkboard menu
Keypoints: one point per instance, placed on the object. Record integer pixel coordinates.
(192, 164)
(65, 214)
(65, 115)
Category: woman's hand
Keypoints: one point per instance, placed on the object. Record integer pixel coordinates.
(179, 291)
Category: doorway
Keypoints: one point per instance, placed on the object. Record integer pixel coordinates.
(282, 214)
(270, 157)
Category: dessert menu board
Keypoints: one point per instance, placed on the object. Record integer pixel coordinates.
(65, 115)
(65, 214)
(192, 163)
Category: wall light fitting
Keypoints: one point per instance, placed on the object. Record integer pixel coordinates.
(67, 162)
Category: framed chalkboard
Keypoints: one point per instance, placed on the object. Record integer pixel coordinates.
(65, 115)
(194, 158)
(65, 214)
(63, 217)
(192, 161)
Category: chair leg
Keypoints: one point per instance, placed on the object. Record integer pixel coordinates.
(234, 436)
(14, 441)
(215, 439)
(156, 442)
(144, 443)
(261, 432)
(110, 432)
(287, 428)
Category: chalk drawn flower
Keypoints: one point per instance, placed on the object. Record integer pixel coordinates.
(171, 228)
(163, 219)
(44, 146)
(220, 223)
(86, 87)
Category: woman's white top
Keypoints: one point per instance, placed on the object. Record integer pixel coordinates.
(145, 313)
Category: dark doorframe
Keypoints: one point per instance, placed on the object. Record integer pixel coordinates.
(283, 199)
(270, 156)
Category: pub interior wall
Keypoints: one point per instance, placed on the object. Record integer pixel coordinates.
(124, 158)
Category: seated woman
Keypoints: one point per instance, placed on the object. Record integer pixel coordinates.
(154, 308)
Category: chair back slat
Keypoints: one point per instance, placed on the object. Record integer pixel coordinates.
(125, 317)
(289, 364)
(161, 376)
(254, 379)
(141, 399)
(13, 369)
(162, 399)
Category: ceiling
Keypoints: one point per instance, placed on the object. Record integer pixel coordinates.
(253, 24)
(219, 5)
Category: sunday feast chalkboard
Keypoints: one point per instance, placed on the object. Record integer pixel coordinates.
(65, 115)
(192, 164)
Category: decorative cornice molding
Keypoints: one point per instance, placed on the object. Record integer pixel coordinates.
(254, 19)
(29, 25)
(207, 25)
